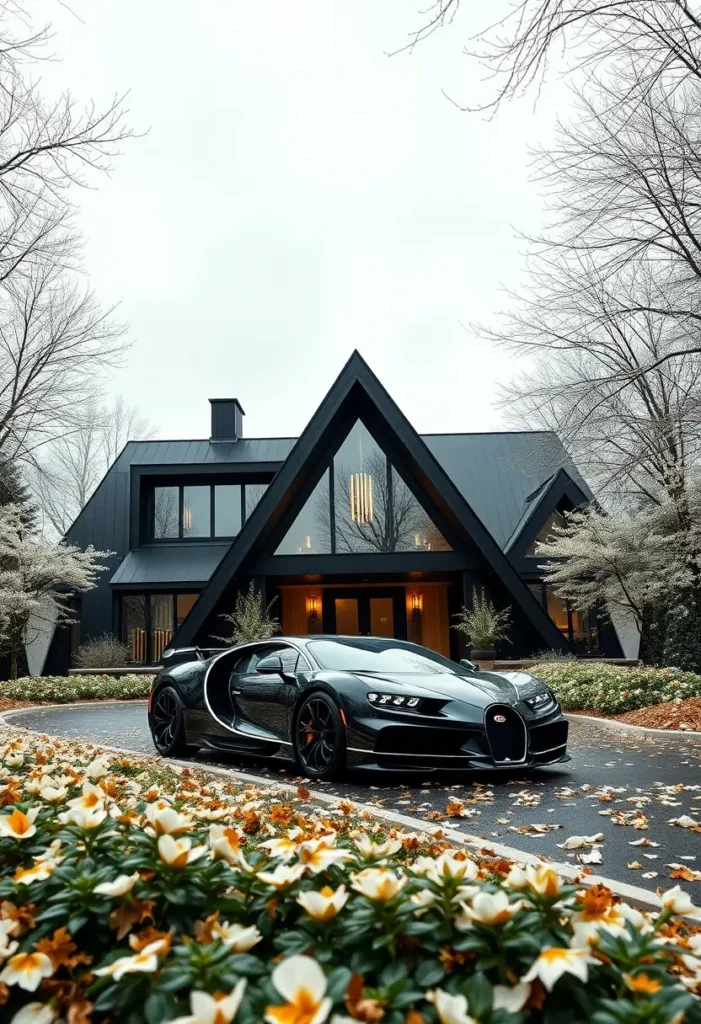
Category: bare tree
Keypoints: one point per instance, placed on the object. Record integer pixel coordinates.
(70, 467)
(54, 337)
(592, 36)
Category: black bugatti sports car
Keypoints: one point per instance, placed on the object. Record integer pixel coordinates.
(328, 702)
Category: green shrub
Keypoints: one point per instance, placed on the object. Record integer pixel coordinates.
(612, 689)
(65, 689)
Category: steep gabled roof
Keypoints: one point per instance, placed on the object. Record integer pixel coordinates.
(560, 490)
(358, 389)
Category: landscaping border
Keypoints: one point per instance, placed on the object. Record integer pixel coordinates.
(614, 724)
(475, 844)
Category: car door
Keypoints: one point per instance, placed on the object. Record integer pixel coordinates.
(263, 700)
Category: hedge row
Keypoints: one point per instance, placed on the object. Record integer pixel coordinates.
(65, 689)
(613, 689)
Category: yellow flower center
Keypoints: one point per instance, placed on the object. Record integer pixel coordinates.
(18, 822)
(327, 891)
(301, 1010)
(555, 953)
(642, 983)
(26, 962)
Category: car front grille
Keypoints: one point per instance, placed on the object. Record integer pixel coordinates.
(548, 738)
(506, 732)
(425, 740)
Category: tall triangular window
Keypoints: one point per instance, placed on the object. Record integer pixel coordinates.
(546, 532)
(362, 505)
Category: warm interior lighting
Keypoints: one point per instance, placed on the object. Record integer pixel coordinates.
(313, 605)
(416, 602)
(361, 497)
(187, 518)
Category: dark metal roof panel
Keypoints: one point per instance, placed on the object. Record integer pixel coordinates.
(252, 449)
(170, 563)
(496, 473)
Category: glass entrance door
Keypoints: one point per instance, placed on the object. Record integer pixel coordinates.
(358, 612)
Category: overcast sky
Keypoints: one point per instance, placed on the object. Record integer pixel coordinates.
(300, 194)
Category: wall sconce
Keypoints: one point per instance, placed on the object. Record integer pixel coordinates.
(313, 614)
(415, 630)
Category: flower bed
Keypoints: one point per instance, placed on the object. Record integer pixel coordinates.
(138, 893)
(66, 689)
(613, 689)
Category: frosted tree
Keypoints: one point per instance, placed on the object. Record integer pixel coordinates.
(38, 578)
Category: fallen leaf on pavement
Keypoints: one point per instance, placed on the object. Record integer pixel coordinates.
(577, 842)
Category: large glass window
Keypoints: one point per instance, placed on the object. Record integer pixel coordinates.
(546, 532)
(197, 515)
(149, 622)
(310, 534)
(254, 492)
(200, 511)
(368, 504)
(166, 512)
(227, 510)
(579, 628)
(134, 627)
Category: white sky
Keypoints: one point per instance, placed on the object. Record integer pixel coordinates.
(300, 194)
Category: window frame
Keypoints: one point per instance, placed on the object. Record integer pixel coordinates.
(147, 595)
(195, 482)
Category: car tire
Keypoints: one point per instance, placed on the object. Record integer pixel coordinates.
(319, 737)
(167, 724)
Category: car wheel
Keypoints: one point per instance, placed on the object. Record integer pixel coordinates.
(168, 724)
(319, 737)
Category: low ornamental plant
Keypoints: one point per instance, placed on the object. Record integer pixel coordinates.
(483, 625)
(104, 651)
(132, 896)
(613, 689)
(66, 689)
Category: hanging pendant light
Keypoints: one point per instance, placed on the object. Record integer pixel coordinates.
(360, 490)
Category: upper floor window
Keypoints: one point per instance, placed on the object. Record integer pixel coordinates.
(197, 511)
(545, 535)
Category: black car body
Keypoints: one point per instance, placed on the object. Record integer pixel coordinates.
(328, 702)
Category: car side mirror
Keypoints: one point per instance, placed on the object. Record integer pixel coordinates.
(469, 665)
(270, 665)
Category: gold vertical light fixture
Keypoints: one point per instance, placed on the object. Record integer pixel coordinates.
(360, 489)
(187, 519)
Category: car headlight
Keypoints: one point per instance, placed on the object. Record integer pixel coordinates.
(540, 699)
(393, 700)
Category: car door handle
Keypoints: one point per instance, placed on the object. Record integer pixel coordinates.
(236, 693)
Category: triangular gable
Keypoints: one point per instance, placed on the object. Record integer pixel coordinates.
(357, 392)
(560, 492)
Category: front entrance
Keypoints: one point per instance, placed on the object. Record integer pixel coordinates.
(359, 612)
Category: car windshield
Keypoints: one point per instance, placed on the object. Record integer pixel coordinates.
(366, 654)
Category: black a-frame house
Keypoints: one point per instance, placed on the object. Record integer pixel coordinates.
(314, 542)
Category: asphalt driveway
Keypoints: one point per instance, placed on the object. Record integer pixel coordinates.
(638, 781)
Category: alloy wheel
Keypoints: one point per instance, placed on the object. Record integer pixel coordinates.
(165, 719)
(316, 735)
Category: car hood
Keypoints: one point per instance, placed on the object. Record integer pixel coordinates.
(477, 688)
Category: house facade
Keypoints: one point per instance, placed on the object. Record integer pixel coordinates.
(360, 525)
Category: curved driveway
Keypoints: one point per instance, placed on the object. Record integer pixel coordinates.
(642, 777)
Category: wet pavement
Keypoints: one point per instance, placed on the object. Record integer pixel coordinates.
(643, 780)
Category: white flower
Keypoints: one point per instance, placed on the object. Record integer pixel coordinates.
(121, 885)
(18, 825)
(301, 981)
(490, 908)
(53, 795)
(446, 867)
(374, 851)
(208, 1009)
(679, 902)
(34, 1013)
(39, 872)
(450, 1009)
(423, 900)
(540, 879)
(83, 819)
(319, 854)
(225, 843)
(7, 948)
(92, 798)
(324, 905)
(145, 962)
(511, 998)
(284, 847)
(14, 760)
(283, 876)
(178, 853)
(237, 937)
(97, 769)
(165, 820)
(27, 970)
(378, 884)
(555, 961)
